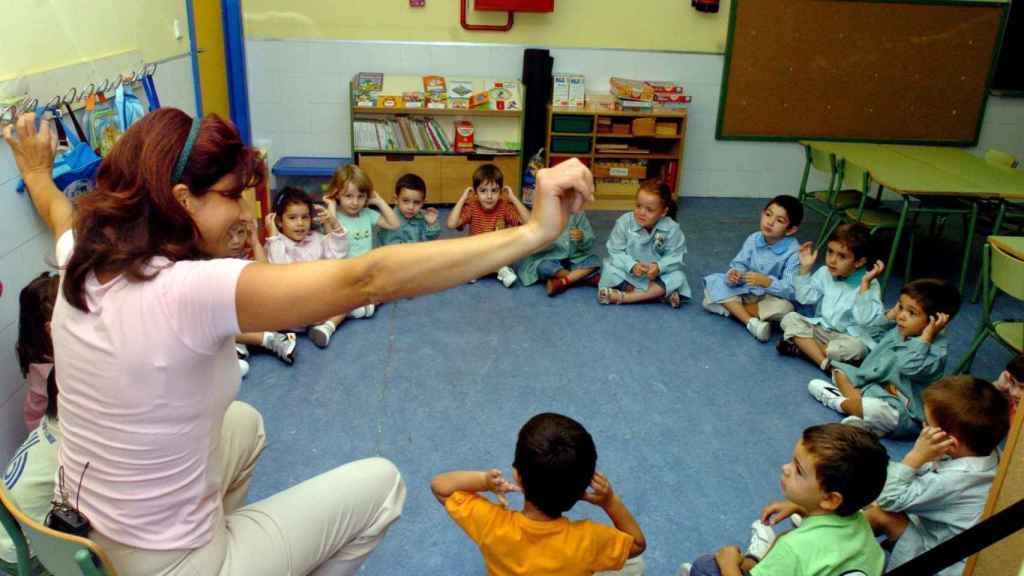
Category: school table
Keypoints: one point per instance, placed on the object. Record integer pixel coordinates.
(931, 172)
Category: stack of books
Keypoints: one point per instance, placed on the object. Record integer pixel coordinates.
(402, 133)
(647, 95)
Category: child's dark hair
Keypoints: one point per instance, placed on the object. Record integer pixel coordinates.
(794, 209)
(855, 236)
(935, 296)
(970, 409)
(556, 459)
(488, 173)
(35, 308)
(290, 195)
(51, 393)
(660, 189)
(1016, 367)
(848, 460)
(411, 182)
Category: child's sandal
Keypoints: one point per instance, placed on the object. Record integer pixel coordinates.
(557, 285)
(609, 296)
(674, 300)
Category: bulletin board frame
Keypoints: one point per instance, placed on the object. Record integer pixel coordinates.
(892, 71)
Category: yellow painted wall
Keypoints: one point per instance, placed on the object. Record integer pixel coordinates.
(638, 24)
(41, 35)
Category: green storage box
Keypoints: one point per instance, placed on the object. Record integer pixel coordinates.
(570, 145)
(573, 123)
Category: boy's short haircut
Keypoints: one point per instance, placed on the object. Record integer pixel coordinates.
(934, 295)
(1016, 367)
(488, 173)
(855, 236)
(848, 460)
(794, 209)
(556, 459)
(411, 182)
(970, 409)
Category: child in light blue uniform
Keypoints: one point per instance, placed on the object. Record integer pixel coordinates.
(416, 223)
(645, 252)
(940, 488)
(570, 259)
(883, 394)
(847, 301)
(759, 283)
(352, 189)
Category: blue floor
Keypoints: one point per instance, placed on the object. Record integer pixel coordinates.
(692, 417)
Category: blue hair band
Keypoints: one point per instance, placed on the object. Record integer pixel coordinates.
(179, 167)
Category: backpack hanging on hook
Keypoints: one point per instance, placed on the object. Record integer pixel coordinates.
(129, 107)
(73, 169)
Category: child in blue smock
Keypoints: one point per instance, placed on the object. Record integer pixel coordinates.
(758, 286)
(352, 189)
(569, 260)
(645, 252)
(846, 297)
(883, 394)
(940, 487)
(417, 224)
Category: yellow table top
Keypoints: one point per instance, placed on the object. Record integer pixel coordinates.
(1012, 245)
(929, 170)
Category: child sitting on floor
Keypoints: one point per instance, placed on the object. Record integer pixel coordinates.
(34, 347)
(758, 286)
(291, 238)
(416, 223)
(847, 301)
(883, 394)
(351, 190)
(645, 252)
(570, 259)
(1011, 383)
(487, 206)
(836, 470)
(555, 462)
(940, 488)
(245, 243)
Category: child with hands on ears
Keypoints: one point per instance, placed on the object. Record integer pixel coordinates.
(846, 297)
(417, 223)
(835, 471)
(291, 238)
(940, 487)
(555, 463)
(486, 206)
(883, 394)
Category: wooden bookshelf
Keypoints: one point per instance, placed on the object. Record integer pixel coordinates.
(576, 132)
(446, 172)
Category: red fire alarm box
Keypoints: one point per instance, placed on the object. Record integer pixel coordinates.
(515, 5)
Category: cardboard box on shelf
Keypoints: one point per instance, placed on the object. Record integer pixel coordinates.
(621, 128)
(643, 126)
(568, 90)
(631, 89)
(606, 169)
(666, 128)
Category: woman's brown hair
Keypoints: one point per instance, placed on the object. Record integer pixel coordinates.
(132, 216)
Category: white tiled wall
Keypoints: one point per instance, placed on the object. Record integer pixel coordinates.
(299, 98)
(26, 248)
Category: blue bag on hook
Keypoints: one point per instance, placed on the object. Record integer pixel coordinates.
(128, 106)
(73, 169)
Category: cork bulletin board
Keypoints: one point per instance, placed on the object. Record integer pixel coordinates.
(911, 71)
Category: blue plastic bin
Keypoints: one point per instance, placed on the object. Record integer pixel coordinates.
(309, 173)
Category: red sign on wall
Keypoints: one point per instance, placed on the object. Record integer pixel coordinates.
(515, 5)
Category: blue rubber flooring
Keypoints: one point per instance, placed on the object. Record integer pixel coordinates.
(692, 417)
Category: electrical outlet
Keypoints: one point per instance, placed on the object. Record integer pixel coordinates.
(417, 3)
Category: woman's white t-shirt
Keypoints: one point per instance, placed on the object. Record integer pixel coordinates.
(145, 378)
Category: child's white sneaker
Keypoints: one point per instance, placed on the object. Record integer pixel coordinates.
(759, 329)
(826, 393)
(684, 569)
(507, 276)
(761, 539)
(282, 344)
(358, 313)
(241, 350)
(321, 334)
(370, 309)
(243, 367)
(796, 519)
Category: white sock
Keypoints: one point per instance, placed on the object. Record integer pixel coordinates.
(268, 337)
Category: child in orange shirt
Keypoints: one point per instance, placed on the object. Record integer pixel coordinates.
(555, 462)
